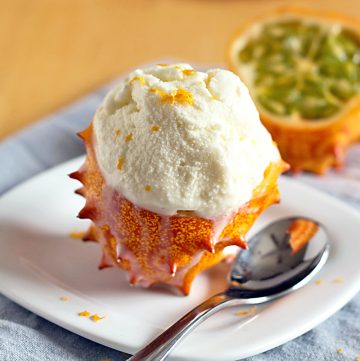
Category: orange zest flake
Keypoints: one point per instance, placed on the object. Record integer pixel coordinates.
(128, 137)
(117, 132)
(318, 282)
(120, 163)
(155, 128)
(158, 91)
(138, 78)
(180, 96)
(189, 71)
(96, 317)
(249, 311)
(84, 313)
(338, 280)
(64, 298)
(147, 188)
(76, 235)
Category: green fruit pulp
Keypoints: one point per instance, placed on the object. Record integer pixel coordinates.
(304, 69)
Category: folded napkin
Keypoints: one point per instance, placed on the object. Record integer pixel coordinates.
(27, 337)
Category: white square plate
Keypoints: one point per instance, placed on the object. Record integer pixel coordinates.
(39, 263)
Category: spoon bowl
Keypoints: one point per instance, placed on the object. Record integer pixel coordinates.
(281, 258)
(270, 267)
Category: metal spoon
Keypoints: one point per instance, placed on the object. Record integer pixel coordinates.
(268, 270)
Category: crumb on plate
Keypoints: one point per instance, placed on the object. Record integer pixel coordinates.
(249, 311)
(84, 313)
(96, 317)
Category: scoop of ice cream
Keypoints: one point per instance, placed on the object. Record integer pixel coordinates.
(170, 138)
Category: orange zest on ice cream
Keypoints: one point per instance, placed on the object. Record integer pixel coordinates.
(180, 96)
(189, 72)
(158, 91)
(138, 78)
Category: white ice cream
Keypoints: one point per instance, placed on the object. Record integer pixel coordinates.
(170, 138)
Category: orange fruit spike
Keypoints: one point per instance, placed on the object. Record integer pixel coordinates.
(301, 231)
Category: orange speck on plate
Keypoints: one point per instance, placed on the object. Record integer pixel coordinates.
(96, 317)
(155, 128)
(120, 163)
(64, 298)
(117, 132)
(76, 235)
(338, 280)
(128, 137)
(250, 311)
(84, 313)
(147, 188)
(318, 282)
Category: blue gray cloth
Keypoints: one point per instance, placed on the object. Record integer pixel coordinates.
(27, 337)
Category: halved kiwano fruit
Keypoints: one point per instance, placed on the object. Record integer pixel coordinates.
(154, 248)
(303, 71)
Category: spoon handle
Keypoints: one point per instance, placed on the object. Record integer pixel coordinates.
(160, 347)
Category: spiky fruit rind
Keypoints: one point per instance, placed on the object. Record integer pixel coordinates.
(154, 248)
